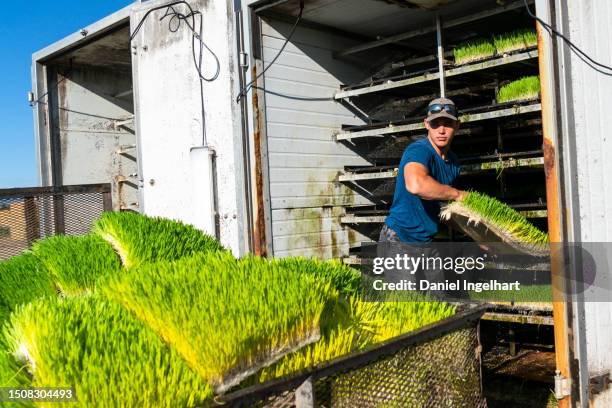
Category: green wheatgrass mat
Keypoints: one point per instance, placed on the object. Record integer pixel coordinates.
(474, 50)
(101, 350)
(140, 239)
(515, 40)
(527, 294)
(485, 219)
(342, 277)
(12, 373)
(226, 317)
(357, 324)
(524, 89)
(482, 48)
(23, 278)
(76, 263)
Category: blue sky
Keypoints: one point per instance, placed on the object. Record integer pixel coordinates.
(28, 26)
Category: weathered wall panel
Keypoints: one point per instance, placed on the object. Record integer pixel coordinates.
(304, 160)
(170, 119)
(87, 116)
(589, 100)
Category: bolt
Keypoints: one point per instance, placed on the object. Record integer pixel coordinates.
(145, 47)
(84, 32)
(152, 182)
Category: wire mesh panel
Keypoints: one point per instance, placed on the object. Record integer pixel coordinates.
(438, 366)
(29, 214)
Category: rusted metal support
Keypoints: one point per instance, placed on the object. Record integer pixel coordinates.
(107, 201)
(392, 84)
(261, 214)
(475, 117)
(553, 200)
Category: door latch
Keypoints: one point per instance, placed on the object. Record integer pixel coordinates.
(563, 386)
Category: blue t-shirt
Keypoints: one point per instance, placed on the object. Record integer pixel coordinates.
(412, 218)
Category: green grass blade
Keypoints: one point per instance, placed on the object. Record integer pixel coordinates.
(362, 325)
(526, 88)
(140, 239)
(498, 216)
(474, 50)
(76, 263)
(23, 278)
(345, 279)
(226, 317)
(515, 41)
(106, 354)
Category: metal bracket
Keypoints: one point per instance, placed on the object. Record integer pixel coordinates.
(244, 59)
(563, 386)
(599, 383)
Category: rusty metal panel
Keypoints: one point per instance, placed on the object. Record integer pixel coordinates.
(304, 161)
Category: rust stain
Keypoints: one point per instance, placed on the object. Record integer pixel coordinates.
(259, 224)
(549, 158)
(562, 330)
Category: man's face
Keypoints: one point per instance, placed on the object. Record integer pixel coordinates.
(441, 131)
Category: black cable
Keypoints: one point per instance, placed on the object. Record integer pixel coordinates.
(178, 18)
(581, 54)
(297, 98)
(243, 92)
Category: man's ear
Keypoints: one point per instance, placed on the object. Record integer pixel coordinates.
(426, 124)
(457, 125)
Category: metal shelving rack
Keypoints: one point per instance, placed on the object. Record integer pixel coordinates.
(486, 122)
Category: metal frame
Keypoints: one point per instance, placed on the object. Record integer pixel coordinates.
(51, 190)
(466, 169)
(357, 359)
(393, 84)
(379, 219)
(427, 30)
(475, 117)
(58, 193)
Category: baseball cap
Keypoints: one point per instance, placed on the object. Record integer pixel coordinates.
(441, 108)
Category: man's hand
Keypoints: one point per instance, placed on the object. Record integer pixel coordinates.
(462, 195)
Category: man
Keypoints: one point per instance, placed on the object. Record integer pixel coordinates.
(426, 171)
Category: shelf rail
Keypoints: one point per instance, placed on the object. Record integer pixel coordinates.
(466, 118)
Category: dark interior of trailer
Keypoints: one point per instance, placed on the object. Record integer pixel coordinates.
(499, 142)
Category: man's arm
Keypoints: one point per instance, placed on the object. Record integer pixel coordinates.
(420, 183)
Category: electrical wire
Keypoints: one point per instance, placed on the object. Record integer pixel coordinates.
(297, 98)
(174, 23)
(243, 92)
(175, 19)
(581, 54)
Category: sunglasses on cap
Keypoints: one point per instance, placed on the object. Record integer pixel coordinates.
(439, 107)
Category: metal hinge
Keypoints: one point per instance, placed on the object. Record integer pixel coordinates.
(563, 386)
(244, 59)
(599, 383)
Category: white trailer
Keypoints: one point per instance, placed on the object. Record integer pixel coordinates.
(283, 166)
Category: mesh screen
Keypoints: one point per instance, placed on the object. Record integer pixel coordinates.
(443, 372)
(25, 218)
